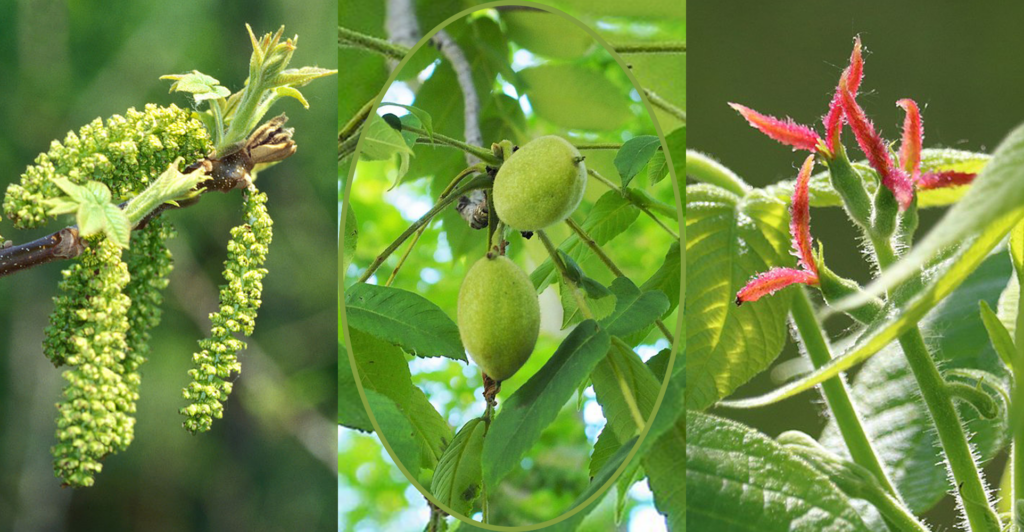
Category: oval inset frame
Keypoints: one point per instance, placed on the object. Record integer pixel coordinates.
(676, 347)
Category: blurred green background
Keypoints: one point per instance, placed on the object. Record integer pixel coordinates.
(269, 464)
(960, 61)
(373, 494)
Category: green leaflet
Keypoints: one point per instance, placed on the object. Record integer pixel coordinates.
(729, 240)
(623, 382)
(942, 280)
(536, 403)
(396, 428)
(457, 480)
(547, 34)
(634, 155)
(738, 479)
(381, 142)
(888, 398)
(383, 368)
(405, 319)
(994, 200)
(594, 102)
(634, 310)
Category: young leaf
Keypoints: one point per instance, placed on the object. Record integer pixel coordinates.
(201, 86)
(405, 319)
(600, 307)
(457, 479)
(634, 155)
(998, 335)
(729, 240)
(739, 479)
(535, 404)
(634, 310)
(420, 114)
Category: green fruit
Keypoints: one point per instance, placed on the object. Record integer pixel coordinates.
(499, 316)
(540, 184)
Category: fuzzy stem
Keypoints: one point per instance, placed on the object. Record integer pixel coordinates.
(707, 170)
(948, 425)
(478, 182)
(836, 393)
(665, 47)
(347, 37)
(611, 267)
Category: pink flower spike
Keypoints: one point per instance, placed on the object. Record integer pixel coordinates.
(913, 135)
(772, 281)
(834, 119)
(874, 148)
(932, 180)
(800, 217)
(855, 72)
(785, 131)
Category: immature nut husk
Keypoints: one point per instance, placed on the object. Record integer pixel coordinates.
(499, 316)
(541, 184)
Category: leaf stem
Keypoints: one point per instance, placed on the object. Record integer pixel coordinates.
(707, 170)
(484, 154)
(666, 106)
(592, 244)
(355, 39)
(478, 182)
(581, 302)
(665, 47)
(836, 393)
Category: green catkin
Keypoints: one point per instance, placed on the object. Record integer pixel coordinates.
(126, 153)
(95, 414)
(239, 302)
(149, 262)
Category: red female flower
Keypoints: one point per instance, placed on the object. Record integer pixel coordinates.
(834, 119)
(786, 131)
(875, 148)
(910, 154)
(776, 279)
